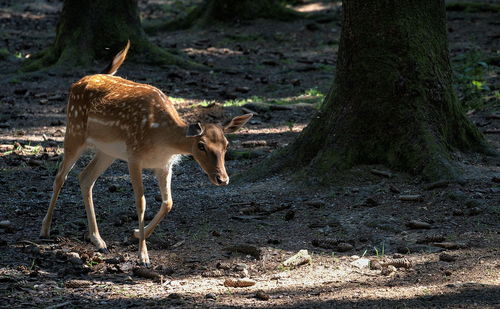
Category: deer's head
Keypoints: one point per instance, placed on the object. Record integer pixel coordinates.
(210, 145)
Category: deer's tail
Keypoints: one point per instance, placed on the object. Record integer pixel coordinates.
(117, 61)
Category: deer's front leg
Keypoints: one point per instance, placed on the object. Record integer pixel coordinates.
(140, 202)
(164, 177)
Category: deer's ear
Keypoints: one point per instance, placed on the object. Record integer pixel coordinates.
(194, 129)
(236, 123)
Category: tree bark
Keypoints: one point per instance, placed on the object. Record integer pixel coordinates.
(392, 101)
(223, 11)
(97, 29)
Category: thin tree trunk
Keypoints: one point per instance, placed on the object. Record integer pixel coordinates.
(392, 101)
(89, 30)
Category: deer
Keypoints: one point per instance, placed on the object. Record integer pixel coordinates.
(136, 123)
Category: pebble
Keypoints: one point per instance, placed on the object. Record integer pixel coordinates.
(411, 198)
(316, 203)
(211, 296)
(415, 224)
(446, 257)
(361, 263)
(474, 211)
(374, 264)
(289, 215)
(174, 296)
(5, 224)
(389, 270)
(300, 258)
(260, 294)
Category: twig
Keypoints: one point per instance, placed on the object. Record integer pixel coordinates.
(59, 305)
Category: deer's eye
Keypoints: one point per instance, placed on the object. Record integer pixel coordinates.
(201, 147)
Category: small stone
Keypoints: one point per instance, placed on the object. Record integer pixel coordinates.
(474, 211)
(270, 62)
(147, 273)
(361, 263)
(437, 184)
(242, 89)
(312, 26)
(211, 296)
(260, 294)
(5, 224)
(174, 296)
(411, 198)
(415, 224)
(389, 270)
(381, 173)
(72, 254)
(300, 258)
(449, 245)
(371, 202)
(394, 189)
(446, 257)
(289, 215)
(240, 267)
(316, 203)
(254, 251)
(473, 204)
(375, 265)
(35, 250)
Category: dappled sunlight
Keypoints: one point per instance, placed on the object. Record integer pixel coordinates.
(374, 236)
(315, 7)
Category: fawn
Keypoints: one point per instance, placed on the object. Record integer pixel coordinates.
(136, 123)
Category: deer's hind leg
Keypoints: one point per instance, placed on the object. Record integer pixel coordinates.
(72, 150)
(89, 175)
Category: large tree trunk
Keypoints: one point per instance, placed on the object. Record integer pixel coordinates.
(96, 29)
(392, 101)
(216, 11)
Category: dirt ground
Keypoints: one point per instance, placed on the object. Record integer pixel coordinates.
(375, 238)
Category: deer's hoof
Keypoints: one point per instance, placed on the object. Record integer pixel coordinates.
(103, 250)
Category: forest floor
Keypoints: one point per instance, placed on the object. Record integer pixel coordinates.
(436, 245)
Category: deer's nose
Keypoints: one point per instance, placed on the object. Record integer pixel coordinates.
(221, 181)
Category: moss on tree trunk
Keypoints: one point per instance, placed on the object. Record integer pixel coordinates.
(392, 101)
(217, 11)
(89, 30)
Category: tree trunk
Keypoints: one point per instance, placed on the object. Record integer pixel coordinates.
(214, 11)
(392, 101)
(89, 30)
